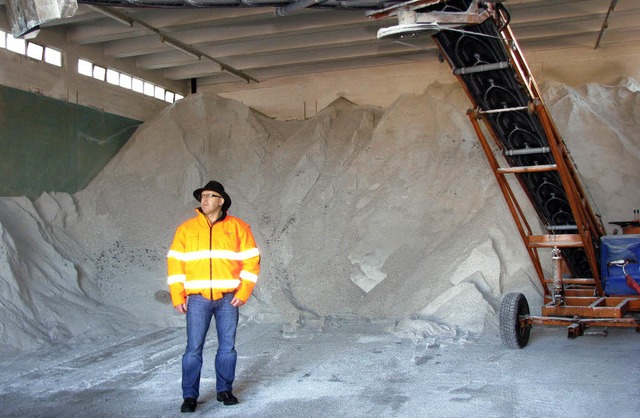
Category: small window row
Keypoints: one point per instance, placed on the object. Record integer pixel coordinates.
(54, 57)
(30, 49)
(126, 81)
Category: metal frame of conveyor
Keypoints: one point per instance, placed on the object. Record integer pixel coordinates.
(475, 38)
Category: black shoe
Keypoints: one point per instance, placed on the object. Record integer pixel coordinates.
(227, 398)
(189, 405)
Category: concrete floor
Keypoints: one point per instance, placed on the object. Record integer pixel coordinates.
(337, 370)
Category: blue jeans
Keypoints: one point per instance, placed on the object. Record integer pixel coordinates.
(199, 313)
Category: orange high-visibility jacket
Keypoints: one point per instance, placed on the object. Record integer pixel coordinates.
(212, 259)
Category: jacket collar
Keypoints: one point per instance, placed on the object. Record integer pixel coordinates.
(203, 217)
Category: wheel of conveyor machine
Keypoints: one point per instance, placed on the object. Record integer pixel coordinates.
(513, 334)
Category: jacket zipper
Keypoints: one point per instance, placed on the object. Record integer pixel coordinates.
(222, 216)
(210, 262)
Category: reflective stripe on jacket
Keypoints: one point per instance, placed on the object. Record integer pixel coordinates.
(212, 259)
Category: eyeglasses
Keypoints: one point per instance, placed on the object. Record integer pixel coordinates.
(208, 196)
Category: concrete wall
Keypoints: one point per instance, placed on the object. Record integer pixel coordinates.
(20, 72)
(570, 62)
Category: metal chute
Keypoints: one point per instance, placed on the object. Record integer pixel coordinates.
(26, 16)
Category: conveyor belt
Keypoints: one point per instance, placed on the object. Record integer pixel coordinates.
(482, 63)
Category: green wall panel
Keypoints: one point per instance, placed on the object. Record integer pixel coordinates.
(51, 145)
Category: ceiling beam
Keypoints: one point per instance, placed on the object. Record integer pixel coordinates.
(168, 39)
(305, 56)
(323, 67)
(268, 44)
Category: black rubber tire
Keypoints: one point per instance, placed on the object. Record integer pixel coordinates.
(512, 307)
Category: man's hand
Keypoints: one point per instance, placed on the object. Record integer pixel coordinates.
(182, 308)
(236, 302)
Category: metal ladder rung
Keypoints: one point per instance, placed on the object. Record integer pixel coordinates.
(574, 281)
(561, 227)
(528, 169)
(558, 240)
(574, 284)
(506, 109)
(481, 68)
(527, 151)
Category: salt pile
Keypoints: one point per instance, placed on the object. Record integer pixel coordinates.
(359, 213)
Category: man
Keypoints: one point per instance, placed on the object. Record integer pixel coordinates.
(213, 265)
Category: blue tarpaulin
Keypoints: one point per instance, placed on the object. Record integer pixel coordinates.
(614, 248)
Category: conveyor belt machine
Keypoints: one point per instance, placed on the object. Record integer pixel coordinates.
(595, 279)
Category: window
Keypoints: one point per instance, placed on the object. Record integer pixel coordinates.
(115, 77)
(53, 56)
(16, 45)
(138, 85)
(149, 89)
(35, 51)
(87, 68)
(99, 72)
(125, 81)
(159, 93)
(31, 49)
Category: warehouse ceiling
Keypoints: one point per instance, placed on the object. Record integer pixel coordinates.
(222, 41)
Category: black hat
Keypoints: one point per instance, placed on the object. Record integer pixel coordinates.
(217, 187)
